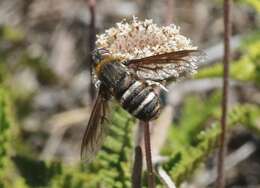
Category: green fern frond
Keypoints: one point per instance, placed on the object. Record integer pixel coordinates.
(190, 159)
(192, 139)
(116, 157)
(186, 156)
(7, 171)
(246, 115)
(5, 126)
(195, 112)
(111, 168)
(246, 68)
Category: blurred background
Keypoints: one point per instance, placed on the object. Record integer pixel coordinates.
(46, 94)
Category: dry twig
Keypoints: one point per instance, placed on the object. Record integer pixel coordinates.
(168, 17)
(164, 177)
(148, 155)
(222, 150)
(232, 160)
(92, 39)
(137, 169)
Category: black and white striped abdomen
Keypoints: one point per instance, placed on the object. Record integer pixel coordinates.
(136, 96)
(140, 100)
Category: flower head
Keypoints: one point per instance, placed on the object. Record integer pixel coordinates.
(138, 39)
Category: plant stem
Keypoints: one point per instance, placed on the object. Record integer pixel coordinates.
(137, 169)
(91, 40)
(222, 150)
(148, 156)
(168, 16)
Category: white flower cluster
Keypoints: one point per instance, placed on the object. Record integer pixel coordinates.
(139, 39)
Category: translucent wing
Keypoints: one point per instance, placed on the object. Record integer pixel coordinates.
(95, 131)
(168, 66)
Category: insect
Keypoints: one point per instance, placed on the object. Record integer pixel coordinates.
(134, 84)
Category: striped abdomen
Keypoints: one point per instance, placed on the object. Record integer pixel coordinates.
(140, 100)
(136, 96)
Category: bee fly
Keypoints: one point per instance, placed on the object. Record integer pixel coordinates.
(134, 84)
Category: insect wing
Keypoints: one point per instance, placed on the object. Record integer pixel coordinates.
(160, 57)
(168, 66)
(96, 130)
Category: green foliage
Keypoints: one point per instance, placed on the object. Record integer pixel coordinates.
(36, 172)
(11, 38)
(5, 125)
(191, 139)
(13, 41)
(197, 132)
(113, 164)
(7, 178)
(111, 168)
(195, 135)
(184, 162)
(38, 64)
(246, 115)
(191, 123)
(11, 34)
(14, 56)
(3, 72)
(253, 3)
(246, 68)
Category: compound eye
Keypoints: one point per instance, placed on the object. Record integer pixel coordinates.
(99, 54)
(96, 56)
